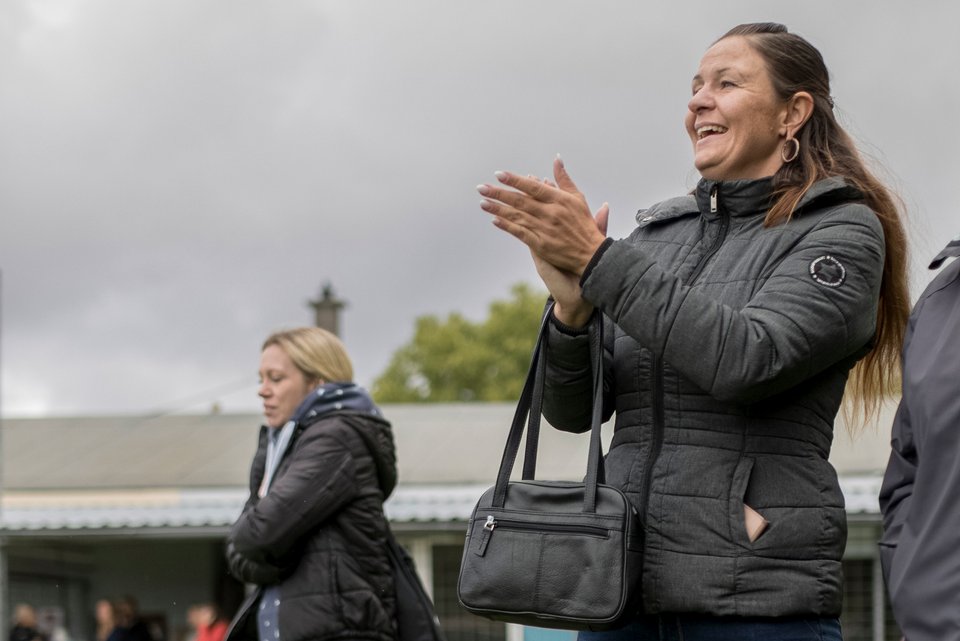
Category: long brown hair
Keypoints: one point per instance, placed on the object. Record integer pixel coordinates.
(827, 150)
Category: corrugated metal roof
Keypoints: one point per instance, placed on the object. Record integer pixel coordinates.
(113, 512)
(125, 510)
(427, 504)
(436, 444)
(105, 512)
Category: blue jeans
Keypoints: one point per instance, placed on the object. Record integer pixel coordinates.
(670, 627)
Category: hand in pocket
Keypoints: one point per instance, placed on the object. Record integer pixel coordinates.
(754, 522)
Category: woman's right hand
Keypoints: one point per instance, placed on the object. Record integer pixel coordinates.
(250, 571)
(569, 307)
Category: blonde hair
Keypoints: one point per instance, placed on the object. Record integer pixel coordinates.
(316, 352)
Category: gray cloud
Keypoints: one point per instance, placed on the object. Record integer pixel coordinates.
(178, 178)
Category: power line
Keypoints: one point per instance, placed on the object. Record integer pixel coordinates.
(205, 396)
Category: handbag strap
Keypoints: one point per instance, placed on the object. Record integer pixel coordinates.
(529, 405)
(519, 415)
(595, 470)
(536, 410)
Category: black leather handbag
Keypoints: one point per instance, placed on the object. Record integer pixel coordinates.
(553, 554)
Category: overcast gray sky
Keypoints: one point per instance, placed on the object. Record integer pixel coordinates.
(178, 177)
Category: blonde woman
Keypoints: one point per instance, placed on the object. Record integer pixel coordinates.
(312, 536)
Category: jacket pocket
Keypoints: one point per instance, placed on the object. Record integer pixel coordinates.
(737, 501)
(799, 499)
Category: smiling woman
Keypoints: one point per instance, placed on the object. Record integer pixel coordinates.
(735, 317)
(738, 124)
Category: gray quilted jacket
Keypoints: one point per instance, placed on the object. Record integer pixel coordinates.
(728, 349)
(918, 498)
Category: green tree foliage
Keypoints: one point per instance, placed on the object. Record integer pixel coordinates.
(459, 360)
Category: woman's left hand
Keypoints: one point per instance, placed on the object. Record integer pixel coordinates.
(250, 571)
(555, 222)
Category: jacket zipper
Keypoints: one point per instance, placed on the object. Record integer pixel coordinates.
(721, 236)
(505, 524)
(658, 429)
(658, 400)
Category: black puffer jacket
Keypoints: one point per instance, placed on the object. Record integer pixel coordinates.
(728, 350)
(320, 532)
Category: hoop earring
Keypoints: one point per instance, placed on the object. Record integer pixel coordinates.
(795, 148)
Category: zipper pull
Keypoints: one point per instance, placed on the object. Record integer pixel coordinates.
(485, 535)
(713, 200)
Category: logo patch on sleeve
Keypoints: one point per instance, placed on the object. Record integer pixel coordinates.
(828, 271)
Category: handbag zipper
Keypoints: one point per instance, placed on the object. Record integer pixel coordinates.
(492, 524)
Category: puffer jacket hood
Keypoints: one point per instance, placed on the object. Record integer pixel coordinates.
(377, 435)
(745, 198)
(354, 405)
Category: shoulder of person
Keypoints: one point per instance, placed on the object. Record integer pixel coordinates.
(346, 426)
(666, 210)
(835, 199)
(949, 275)
(952, 250)
(325, 426)
(365, 436)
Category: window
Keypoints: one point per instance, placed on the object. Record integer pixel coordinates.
(861, 587)
(457, 623)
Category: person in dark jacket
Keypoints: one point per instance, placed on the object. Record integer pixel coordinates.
(734, 316)
(312, 536)
(105, 621)
(25, 624)
(920, 547)
(130, 627)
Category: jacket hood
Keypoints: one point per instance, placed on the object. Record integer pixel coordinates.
(353, 405)
(377, 434)
(950, 251)
(745, 197)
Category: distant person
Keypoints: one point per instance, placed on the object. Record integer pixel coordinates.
(129, 625)
(105, 621)
(206, 622)
(312, 536)
(920, 547)
(50, 623)
(734, 317)
(192, 624)
(25, 624)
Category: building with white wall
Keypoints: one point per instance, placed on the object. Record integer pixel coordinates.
(94, 507)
